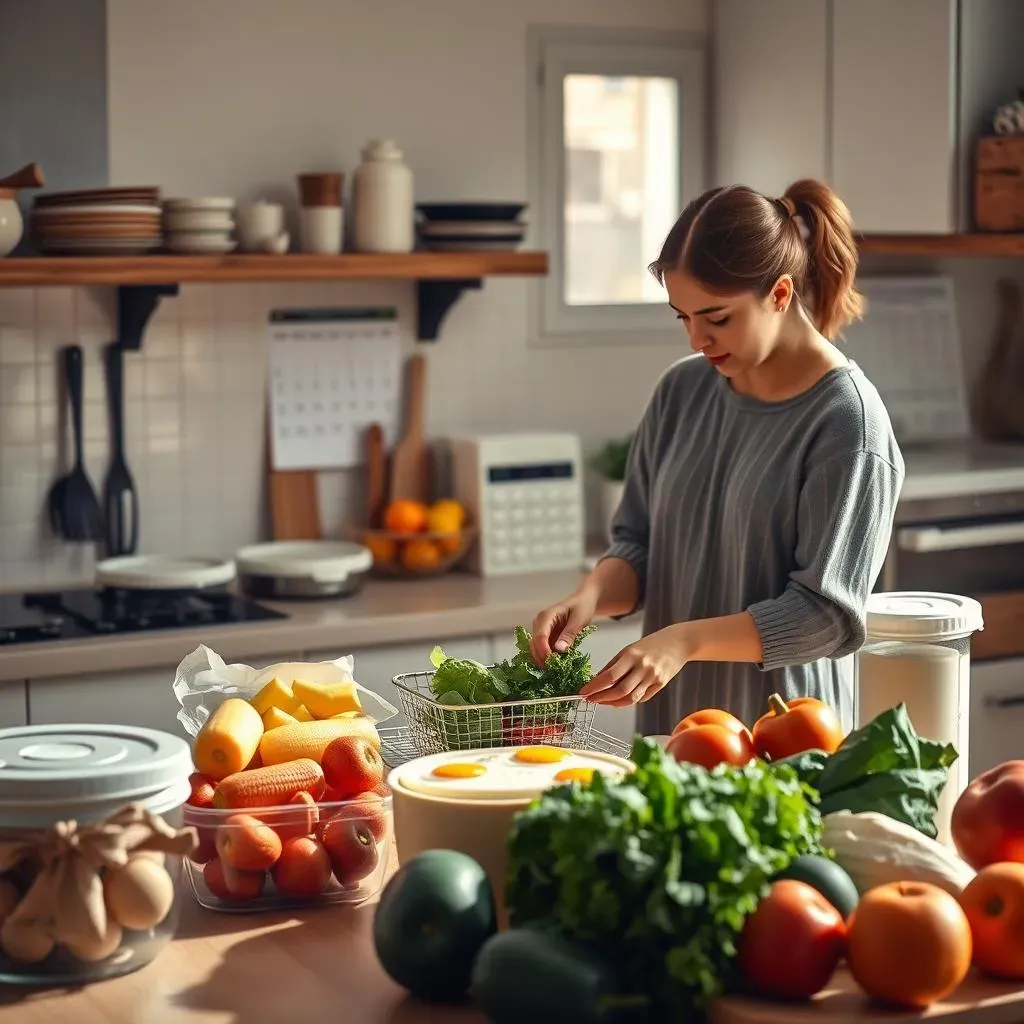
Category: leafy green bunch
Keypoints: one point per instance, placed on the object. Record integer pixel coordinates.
(658, 870)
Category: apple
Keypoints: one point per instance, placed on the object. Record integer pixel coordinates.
(352, 766)
(348, 839)
(987, 824)
(202, 790)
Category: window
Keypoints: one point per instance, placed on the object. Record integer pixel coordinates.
(617, 149)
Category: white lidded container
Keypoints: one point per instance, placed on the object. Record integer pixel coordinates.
(382, 195)
(86, 774)
(918, 652)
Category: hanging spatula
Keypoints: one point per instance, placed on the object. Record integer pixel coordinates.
(120, 498)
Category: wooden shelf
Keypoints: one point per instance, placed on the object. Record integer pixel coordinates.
(42, 271)
(993, 245)
(141, 281)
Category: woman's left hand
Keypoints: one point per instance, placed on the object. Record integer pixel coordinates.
(639, 671)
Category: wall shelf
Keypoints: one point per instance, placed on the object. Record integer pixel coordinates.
(972, 245)
(142, 281)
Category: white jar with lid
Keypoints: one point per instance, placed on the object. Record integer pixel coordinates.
(918, 653)
(382, 198)
(103, 906)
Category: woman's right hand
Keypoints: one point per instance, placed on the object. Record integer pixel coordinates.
(555, 628)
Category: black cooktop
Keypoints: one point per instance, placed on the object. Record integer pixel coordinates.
(74, 614)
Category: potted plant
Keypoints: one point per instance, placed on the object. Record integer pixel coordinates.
(609, 463)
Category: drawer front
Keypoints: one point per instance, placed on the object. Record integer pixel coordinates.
(997, 713)
(1003, 635)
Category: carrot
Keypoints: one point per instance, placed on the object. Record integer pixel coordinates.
(270, 786)
(311, 739)
(228, 739)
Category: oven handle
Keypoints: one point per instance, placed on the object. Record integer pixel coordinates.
(1015, 700)
(953, 538)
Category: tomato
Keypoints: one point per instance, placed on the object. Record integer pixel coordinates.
(709, 745)
(909, 944)
(791, 727)
(994, 904)
(791, 945)
(988, 818)
(713, 716)
(532, 735)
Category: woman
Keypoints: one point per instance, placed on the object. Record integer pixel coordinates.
(762, 481)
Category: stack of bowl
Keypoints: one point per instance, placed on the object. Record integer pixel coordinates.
(98, 222)
(199, 225)
(470, 227)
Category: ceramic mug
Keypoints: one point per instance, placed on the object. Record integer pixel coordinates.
(256, 223)
(320, 229)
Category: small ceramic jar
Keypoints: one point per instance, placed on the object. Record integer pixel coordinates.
(383, 219)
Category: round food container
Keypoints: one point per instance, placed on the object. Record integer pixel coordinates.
(918, 653)
(303, 569)
(97, 807)
(265, 858)
(466, 800)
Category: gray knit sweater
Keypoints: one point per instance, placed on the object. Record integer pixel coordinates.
(783, 509)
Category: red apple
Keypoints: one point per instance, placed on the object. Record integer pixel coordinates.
(351, 846)
(352, 766)
(987, 824)
(202, 790)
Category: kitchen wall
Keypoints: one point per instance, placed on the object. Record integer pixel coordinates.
(235, 98)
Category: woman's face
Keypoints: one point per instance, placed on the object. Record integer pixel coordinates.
(735, 333)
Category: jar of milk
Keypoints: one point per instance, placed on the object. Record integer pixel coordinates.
(918, 653)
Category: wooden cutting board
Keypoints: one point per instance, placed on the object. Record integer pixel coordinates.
(975, 1002)
(410, 465)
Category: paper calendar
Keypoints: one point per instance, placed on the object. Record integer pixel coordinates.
(332, 373)
(909, 346)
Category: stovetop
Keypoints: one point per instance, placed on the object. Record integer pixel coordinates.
(76, 614)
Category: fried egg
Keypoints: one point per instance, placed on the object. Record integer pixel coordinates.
(506, 773)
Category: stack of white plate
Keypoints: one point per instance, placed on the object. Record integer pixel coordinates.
(199, 225)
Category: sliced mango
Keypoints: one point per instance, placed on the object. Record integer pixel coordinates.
(327, 701)
(275, 695)
(273, 717)
(302, 714)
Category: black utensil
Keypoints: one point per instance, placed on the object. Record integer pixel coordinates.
(120, 499)
(72, 500)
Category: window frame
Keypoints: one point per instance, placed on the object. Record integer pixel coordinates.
(554, 53)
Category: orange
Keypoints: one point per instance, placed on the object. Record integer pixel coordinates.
(446, 516)
(994, 904)
(383, 549)
(404, 516)
(300, 822)
(421, 554)
(908, 944)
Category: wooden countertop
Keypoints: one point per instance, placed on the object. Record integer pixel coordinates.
(383, 612)
(318, 967)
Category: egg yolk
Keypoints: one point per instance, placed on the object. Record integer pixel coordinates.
(583, 775)
(541, 755)
(459, 771)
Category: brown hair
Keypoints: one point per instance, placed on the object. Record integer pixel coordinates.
(734, 240)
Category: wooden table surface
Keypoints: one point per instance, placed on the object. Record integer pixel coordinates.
(318, 967)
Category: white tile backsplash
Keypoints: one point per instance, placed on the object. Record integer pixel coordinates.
(194, 418)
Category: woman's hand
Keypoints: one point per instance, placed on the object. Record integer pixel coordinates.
(640, 670)
(555, 628)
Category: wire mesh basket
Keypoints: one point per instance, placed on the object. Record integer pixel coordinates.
(435, 728)
(400, 744)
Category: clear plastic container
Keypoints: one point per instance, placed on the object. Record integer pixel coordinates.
(58, 779)
(292, 856)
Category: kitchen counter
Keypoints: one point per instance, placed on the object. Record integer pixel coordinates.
(319, 967)
(384, 612)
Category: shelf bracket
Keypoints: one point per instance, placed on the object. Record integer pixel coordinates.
(435, 297)
(136, 303)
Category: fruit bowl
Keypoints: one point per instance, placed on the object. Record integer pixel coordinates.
(415, 555)
(293, 856)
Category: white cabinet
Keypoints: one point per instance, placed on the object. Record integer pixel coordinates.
(770, 92)
(375, 667)
(143, 698)
(894, 123)
(608, 639)
(13, 704)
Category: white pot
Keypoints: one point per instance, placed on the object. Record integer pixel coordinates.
(11, 225)
(610, 497)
